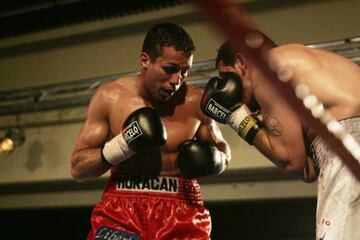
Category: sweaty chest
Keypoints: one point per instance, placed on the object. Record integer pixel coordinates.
(179, 129)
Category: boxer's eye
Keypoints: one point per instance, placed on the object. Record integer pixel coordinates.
(171, 70)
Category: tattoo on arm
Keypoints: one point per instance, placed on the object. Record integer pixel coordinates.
(272, 124)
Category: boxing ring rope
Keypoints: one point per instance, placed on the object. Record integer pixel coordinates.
(336, 43)
(77, 93)
(235, 25)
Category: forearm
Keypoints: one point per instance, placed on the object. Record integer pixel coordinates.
(88, 164)
(283, 152)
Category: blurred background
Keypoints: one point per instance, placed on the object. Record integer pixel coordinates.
(54, 54)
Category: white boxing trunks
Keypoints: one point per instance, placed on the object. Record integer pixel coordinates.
(338, 201)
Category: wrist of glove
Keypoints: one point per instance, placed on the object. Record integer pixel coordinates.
(116, 151)
(143, 129)
(245, 123)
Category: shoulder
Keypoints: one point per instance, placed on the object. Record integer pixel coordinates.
(111, 91)
(288, 50)
(194, 97)
(108, 94)
(292, 51)
(194, 92)
(293, 56)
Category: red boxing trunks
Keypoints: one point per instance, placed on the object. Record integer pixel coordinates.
(153, 208)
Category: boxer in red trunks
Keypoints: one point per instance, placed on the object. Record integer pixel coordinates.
(150, 131)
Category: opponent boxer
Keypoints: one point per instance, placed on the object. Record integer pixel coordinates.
(279, 134)
(149, 129)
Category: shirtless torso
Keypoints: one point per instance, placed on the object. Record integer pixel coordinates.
(177, 103)
(181, 117)
(333, 79)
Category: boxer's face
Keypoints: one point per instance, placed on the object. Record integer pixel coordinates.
(165, 75)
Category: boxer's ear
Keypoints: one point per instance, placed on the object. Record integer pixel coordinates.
(240, 57)
(242, 63)
(144, 60)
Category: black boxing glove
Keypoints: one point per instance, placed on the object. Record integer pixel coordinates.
(222, 101)
(198, 158)
(141, 130)
(222, 96)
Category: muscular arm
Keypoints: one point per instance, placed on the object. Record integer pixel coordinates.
(281, 143)
(282, 140)
(86, 161)
(209, 131)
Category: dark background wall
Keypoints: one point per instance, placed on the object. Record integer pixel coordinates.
(288, 219)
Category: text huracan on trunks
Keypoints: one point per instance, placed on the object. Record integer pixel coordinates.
(153, 184)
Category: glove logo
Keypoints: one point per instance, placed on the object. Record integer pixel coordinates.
(131, 132)
(219, 112)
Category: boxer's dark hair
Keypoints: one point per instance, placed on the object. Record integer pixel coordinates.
(226, 54)
(167, 35)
